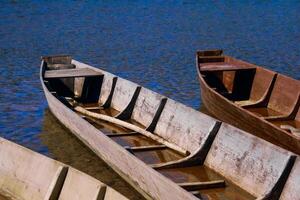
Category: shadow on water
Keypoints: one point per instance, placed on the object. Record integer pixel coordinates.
(65, 147)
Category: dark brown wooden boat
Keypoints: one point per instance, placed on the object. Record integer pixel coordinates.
(163, 148)
(253, 98)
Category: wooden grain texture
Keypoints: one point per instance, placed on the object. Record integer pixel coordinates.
(146, 106)
(71, 73)
(224, 67)
(91, 189)
(284, 95)
(229, 112)
(184, 126)
(123, 93)
(246, 160)
(27, 175)
(24, 173)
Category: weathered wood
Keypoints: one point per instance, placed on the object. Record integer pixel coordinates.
(129, 167)
(184, 126)
(147, 108)
(192, 186)
(71, 73)
(146, 148)
(246, 160)
(275, 192)
(156, 117)
(131, 127)
(253, 164)
(27, 175)
(127, 112)
(292, 186)
(195, 158)
(56, 186)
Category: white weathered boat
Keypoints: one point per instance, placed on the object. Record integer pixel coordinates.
(27, 175)
(164, 149)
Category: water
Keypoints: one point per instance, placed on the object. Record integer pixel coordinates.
(152, 43)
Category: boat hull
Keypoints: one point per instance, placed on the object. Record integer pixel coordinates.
(28, 175)
(226, 111)
(144, 179)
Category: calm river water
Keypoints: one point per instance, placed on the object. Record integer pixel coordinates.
(152, 43)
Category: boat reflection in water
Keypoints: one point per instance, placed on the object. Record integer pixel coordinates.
(64, 147)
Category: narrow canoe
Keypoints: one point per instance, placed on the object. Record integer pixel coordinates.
(27, 175)
(258, 100)
(163, 148)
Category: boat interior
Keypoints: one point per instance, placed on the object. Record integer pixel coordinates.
(210, 159)
(267, 94)
(27, 175)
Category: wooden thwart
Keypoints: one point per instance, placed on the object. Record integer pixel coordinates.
(202, 185)
(71, 73)
(225, 67)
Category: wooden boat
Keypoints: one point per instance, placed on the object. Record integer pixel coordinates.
(163, 148)
(27, 175)
(256, 99)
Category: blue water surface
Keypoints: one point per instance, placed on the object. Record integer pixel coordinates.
(152, 43)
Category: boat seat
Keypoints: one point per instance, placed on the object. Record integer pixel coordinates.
(284, 100)
(262, 86)
(223, 66)
(71, 73)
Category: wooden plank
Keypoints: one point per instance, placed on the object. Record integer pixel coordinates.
(224, 67)
(192, 186)
(122, 134)
(146, 148)
(71, 73)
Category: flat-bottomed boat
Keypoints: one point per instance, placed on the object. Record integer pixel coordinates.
(163, 148)
(258, 100)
